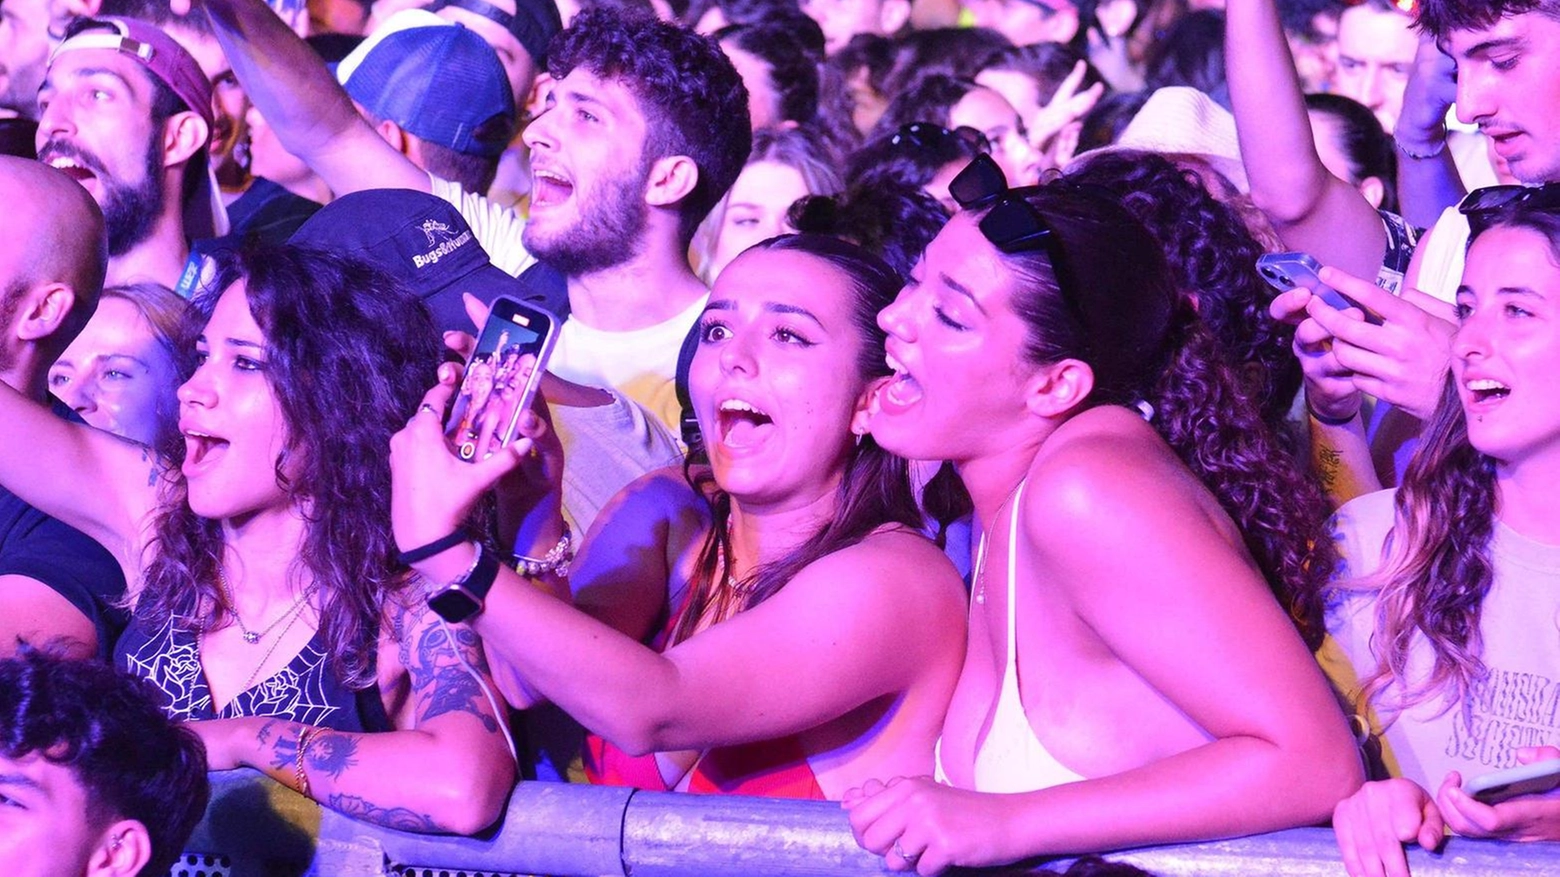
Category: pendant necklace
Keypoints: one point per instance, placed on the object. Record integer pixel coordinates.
(254, 636)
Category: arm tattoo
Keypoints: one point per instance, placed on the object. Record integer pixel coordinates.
(439, 682)
(1329, 461)
(331, 753)
(398, 818)
(284, 752)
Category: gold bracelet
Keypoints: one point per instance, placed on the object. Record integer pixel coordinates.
(305, 737)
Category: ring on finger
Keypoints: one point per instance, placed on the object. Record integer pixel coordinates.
(899, 851)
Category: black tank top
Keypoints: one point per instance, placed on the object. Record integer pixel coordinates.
(307, 690)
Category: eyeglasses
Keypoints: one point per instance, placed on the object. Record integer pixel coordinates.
(1480, 205)
(925, 135)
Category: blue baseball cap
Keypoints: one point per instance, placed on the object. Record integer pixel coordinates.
(438, 81)
(420, 239)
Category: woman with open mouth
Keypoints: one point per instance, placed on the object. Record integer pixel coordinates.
(1130, 677)
(768, 622)
(1448, 605)
(269, 607)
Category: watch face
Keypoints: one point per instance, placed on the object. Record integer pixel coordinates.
(454, 604)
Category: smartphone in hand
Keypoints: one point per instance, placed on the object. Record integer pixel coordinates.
(1526, 779)
(1285, 271)
(501, 377)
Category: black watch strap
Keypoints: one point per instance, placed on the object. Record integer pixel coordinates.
(464, 598)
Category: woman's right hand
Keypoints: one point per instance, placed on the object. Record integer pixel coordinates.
(431, 490)
(1373, 824)
(917, 824)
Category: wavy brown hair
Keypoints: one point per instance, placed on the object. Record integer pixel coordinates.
(1110, 300)
(874, 489)
(350, 353)
(1438, 569)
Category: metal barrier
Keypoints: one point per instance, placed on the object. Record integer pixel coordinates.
(266, 830)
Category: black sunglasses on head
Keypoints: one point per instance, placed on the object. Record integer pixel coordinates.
(1480, 205)
(1011, 223)
(925, 135)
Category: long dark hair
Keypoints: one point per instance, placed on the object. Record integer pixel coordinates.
(1212, 256)
(350, 354)
(1438, 569)
(1121, 314)
(874, 489)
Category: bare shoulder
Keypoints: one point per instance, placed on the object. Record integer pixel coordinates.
(894, 564)
(660, 493)
(1113, 496)
(1103, 463)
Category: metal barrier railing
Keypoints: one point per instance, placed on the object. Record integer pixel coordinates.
(266, 830)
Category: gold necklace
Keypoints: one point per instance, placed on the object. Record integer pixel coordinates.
(980, 554)
(253, 636)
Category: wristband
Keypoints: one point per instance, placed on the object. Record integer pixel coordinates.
(422, 553)
(1329, 421)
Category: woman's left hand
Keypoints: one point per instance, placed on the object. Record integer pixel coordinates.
(432, 490)
(1523, 818)
(917, 824)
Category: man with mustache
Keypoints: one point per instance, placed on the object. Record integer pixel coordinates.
(126, 112)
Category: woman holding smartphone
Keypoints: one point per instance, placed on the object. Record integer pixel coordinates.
(268, 603)
(1130, 677)
(1447, 607)
(804, 635)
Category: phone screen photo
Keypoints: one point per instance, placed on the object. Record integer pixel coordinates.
(501, 378)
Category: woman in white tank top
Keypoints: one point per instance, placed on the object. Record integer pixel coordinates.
(1130, 673)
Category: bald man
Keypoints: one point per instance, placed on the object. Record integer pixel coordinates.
(57, 586)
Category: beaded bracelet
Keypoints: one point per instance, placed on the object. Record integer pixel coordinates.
(1437, 149)
(556, 560)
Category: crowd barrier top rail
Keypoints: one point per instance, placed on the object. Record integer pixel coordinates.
(267, 830)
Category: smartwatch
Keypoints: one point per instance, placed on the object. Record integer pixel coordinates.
(463, 598)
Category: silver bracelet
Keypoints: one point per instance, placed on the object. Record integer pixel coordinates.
(1440, 147)
(556, 561)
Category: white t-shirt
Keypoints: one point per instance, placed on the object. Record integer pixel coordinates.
(496, 228)
(1517, 703)
(639, 363)
(1441, 263)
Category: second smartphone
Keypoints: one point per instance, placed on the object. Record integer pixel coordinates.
(500, 382)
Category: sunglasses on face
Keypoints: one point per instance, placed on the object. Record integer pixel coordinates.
(925, 135)
(1481, 205)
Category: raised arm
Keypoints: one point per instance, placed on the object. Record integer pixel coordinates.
(871, 620)
(46, 460)
(1428, 181)
(310, 112)
(450, 771)
(1311, 209)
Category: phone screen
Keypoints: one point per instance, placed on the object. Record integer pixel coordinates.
(501, 378)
